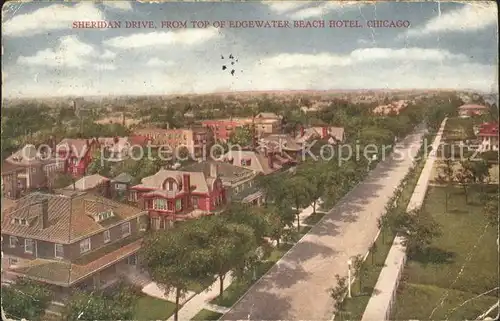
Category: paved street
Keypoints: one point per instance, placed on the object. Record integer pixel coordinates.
(297, 287)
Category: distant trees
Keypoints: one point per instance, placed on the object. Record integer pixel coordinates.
(242, 136)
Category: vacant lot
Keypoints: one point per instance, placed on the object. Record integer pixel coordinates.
(445, 282)
(459, 129)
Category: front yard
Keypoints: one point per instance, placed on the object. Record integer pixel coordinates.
(149, 308)
(456, 268)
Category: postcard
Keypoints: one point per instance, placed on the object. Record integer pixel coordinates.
(249, 160)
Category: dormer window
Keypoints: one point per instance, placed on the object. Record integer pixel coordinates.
(103, 216)
(246, 162)
(20, 221)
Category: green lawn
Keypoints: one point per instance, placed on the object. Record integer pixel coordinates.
(149, 308)
(207, 315)
(361, 293)
(314, 218)
(434, 272)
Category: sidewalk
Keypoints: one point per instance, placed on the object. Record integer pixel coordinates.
(202, 300)
(380, 304)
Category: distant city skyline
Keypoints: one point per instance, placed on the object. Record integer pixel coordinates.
(448, 46)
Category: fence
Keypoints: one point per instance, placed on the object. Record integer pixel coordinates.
(384, 294)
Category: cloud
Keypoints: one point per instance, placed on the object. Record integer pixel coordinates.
(186, 37)
(108, 54)
(120, 5)
(287, 60)
(285, 6)
(324, 9)
(53, 17)
(156, 62)
(469, 17)
(69, 53)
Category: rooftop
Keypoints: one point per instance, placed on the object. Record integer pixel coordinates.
(227, 172)
(69, 217)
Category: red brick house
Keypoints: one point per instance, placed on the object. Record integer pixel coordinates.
(77, 154)
(178, 195)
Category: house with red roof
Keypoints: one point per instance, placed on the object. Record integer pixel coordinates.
(77, 154)
(488, 136)
(469, 110)
(171, 196)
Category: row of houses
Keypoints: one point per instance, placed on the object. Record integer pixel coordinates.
(87, 234)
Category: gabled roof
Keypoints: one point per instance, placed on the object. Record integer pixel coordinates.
(226, 171)
(123, 178)
(69, 217)
(155, 182)
(88, 182)
(78, 147)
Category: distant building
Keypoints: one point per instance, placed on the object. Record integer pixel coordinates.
(265, 123)
(332, 134)
(472, 110)
(170, 196)
(196, 140)
(28, 169)
(488, 137)
(82, 241)
(261, 162)
(120, 185)
(117, 148)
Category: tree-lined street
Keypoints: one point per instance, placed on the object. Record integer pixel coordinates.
(297, 287)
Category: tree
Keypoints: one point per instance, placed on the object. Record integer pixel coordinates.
(359, 270)
(465, 177)
(446, 177)
(276, 221)
(178, 258)
(417, 227)
(25, 299)
(339, 291)
(240, 213)
(373, 250)
(491, 210)
(230, 246)
(480, 171)
(315, 172)
(242, 136)
(298, 190)
(99, 306)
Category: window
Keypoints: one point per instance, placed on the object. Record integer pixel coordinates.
(28, 246)
(104, 215)
(12, 241)
(107, 236)
(85, 246)
(125, 227)
(155, 222)
(246, 162)
(170, 186)
(12, 261)
(194, 201)
(160, 204)
(178, 204)
(58, 251)
(132, 196)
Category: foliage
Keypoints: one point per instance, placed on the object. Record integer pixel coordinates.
(101, 306)
(242, 136)
(339, 291)
(418, 228)
(465, 177)
(25, 299)
(179, 257)
(491, 209)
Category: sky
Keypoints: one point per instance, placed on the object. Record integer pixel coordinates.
(447, 45)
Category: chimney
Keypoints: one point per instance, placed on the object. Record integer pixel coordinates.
(168, 125)
(213, 170)
(186, 182)
(324, 132)
(44, 215)
(87, 142)
(116, 139)
(302, 131)
(270, 160)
